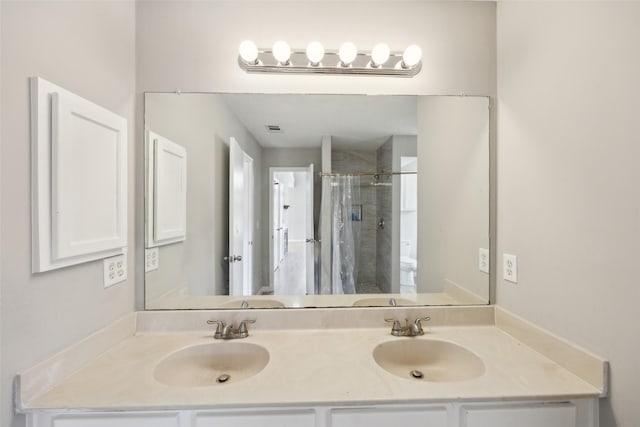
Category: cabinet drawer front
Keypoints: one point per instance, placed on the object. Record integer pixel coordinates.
(405, 417)
(116, 420)
(256, 419)
(555, 415)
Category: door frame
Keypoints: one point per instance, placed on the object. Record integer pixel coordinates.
(272, 171)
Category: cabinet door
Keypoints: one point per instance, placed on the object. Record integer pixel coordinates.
(112, 420)
(433, 416)
(294, 418)
(542, 415)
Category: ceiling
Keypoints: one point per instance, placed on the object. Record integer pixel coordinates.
(353, 121)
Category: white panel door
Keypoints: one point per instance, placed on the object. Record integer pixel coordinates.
(549, 415)
(240, 220)
(291, 418)
(89, 179)
(169, 191)
(379, 417)
(79, 179)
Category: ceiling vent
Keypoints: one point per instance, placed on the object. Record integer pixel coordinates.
(273, 128)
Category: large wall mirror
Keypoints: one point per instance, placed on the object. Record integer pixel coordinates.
(265, 201)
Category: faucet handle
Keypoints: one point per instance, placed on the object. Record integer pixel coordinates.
(419, 320)
(396, 328)
(242, 328)
(219, 328)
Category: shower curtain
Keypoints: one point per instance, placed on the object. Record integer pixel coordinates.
(340, 198)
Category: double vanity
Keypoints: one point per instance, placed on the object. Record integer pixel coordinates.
(471, 366)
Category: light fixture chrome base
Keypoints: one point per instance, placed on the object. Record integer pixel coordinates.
(331, 64)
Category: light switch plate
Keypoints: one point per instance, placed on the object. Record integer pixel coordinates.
(115, 270)
(151, 259)
(510, 267)
(483, 260)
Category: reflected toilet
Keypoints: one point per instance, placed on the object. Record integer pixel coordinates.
(408, 268)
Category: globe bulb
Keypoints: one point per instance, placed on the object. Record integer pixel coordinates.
(347, 53)
(281, 52)
(315, 53)
(411, 56)
(249, 52)
(379, 54)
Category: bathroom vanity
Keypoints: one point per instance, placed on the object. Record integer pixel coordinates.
(477, 366)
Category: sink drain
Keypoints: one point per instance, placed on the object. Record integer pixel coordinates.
(223, 378)
(416, 374)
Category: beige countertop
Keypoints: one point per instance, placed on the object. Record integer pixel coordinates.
(325, 366)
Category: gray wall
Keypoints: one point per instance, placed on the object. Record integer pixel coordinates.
(453, 192)
(192, 46)
(568, 174)
(87, 48)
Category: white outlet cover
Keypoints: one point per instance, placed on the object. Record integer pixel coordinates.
(151, 259)
(510, 268)
(115, 270)
(483, 260)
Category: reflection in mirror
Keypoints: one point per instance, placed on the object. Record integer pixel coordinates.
(269, 201)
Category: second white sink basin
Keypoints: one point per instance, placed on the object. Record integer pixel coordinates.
(428, 360)
(212, 364)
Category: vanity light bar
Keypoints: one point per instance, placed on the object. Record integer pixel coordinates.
(314, 59)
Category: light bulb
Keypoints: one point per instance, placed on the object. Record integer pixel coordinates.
(379, 54)
(411, 56)
(249, 52)
(315, 53)
(347, 53)
(281, 52)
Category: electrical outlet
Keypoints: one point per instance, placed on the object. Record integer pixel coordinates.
(151, 259)
(115, 270)
(483, 260)
(510, 268)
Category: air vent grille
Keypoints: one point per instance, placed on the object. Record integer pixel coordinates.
(273, 128)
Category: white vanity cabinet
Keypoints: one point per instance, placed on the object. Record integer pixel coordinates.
(266, 418)
(575, 413)
(381, 416)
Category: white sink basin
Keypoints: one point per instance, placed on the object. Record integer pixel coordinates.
(253, 303)
(381, 302)
(213, 364)
(428, 360)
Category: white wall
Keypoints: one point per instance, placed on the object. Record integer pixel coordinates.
(88, 48)
(568, 178)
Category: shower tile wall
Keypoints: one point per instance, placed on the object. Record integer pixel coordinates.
(353, 161)
(384, 159)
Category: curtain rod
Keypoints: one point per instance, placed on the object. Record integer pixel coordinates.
(374, 174)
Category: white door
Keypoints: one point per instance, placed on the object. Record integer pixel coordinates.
(275, 225)
(240, 220)
(311, 240)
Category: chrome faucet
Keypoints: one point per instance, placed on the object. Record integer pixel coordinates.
(412, 329)
(229, 332)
